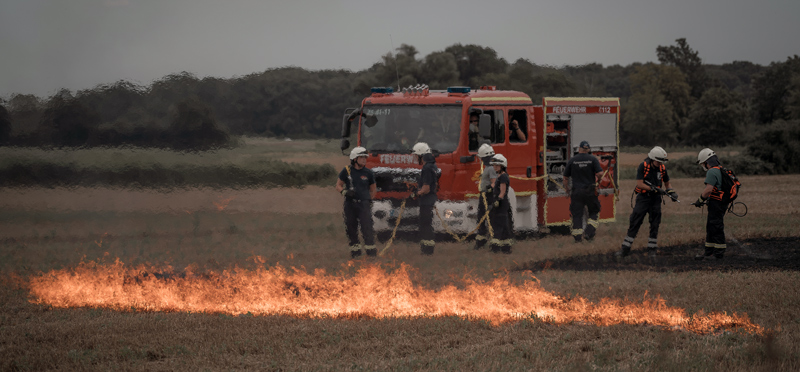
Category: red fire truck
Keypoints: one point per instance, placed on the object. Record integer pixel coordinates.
(389, 123)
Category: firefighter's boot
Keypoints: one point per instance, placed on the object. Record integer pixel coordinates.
(496, 246)
(480, 242)
(577, 234)
(719, 253)
(426, 247)
(708, 253)
(652, 247)
(590, 230)
(625, 249)
(355, 251)
(371, 250)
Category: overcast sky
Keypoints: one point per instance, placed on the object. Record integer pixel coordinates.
(77, 44)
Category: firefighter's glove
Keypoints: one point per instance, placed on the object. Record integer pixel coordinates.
(488, 189)
(413, 195)
(659, 191)
(672, 194)
(348, 193)
(497, 203)
(700, 201)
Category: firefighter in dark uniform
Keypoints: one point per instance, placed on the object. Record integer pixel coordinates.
(717, 200)
(584, 170)
(650, 176)
(501, 209)
(357, 184)
(486, 195)
(427, 185)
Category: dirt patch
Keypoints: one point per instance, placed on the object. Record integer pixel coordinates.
(747, 255)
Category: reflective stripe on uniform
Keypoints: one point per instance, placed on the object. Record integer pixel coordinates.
(480, 237)
(504, 242)
(627, 242)
(661, 168)
(716, 245)
(427, 242)
(369, 247)
(355, 247)
(592, 223)
(652, 243)
(577, 231)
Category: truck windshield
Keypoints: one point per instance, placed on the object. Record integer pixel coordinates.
(397, 128)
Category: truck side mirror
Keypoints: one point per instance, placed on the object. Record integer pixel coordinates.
(349, 115)
(485, 125)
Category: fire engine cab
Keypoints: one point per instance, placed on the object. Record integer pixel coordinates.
(389, 123)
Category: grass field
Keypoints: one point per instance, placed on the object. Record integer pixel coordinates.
(210, 246)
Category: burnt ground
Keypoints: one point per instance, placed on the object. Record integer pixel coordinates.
(746, 255)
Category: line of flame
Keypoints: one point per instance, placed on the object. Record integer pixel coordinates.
(371, 291)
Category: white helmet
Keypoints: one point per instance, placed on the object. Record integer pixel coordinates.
(421, 148)
(358, 151)
(704, 155)
(485, 150)
(657, 153)
(499, 159)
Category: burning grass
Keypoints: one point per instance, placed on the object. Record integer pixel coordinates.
(564, 320)
(370, 292)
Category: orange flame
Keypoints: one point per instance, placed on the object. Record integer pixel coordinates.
(223, 203)
(371, 291)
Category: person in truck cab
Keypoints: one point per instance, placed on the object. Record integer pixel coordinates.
(474, 136)
(517, 134)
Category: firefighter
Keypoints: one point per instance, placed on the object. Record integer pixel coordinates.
(500, 214)
(486, 195)
(357, 184)
(650, 176)
(427, 186)
(584, 170)
(717, 200)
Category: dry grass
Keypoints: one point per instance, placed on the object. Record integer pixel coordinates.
(42, 230)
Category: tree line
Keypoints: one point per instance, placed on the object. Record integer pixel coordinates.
(679, 101)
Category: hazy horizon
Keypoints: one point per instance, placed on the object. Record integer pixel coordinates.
(51, 44)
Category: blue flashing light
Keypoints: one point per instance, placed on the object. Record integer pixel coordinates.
(457, 89)
(383, 90)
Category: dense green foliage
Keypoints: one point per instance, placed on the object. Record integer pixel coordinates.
(678, 102)
(779, 144)
(740, 164)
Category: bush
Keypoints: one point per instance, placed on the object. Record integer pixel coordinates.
(193, 127)
(740, 164)
(778, 144)
(67, 122)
